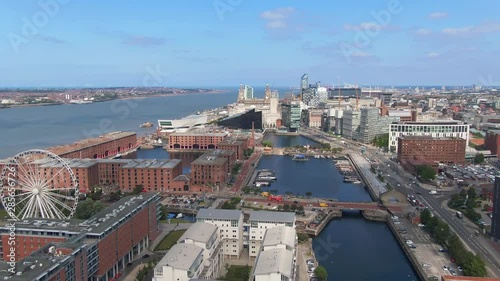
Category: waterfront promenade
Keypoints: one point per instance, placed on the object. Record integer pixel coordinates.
(375, 187)
(246, 171)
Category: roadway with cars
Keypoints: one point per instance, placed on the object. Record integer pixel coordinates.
(402, 181)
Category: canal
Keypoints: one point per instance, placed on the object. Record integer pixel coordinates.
(351, 248)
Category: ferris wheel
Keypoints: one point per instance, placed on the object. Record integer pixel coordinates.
(38, 184)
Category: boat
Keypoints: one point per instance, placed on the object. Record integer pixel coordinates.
(316, 156)
(262, 183)
(300, 157)
(80, 101)
(265, 178)
(179, 215)
(146, 125)
(357, 182)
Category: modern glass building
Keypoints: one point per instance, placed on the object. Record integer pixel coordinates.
(290, 115)
(243, 120)
(248, 92)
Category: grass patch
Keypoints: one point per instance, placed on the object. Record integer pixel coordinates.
(174, 220)
(169, 240)
(237, 273)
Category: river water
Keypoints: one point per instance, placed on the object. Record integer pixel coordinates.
(351, 249)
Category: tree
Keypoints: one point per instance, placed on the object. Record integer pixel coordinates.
(88, 208)
(267, 143)
(300, 208)
(442, 232)
(138, 189)
(425, 216)
(426, 172)
(472, 194)
(293, 207)
(286, 207)
(321, 273)
(115, 196)
(478, 158)
(309, 194)
(474, 266)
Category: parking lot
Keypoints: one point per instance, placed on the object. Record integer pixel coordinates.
(430, 255)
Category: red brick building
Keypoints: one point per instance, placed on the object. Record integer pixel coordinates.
(492, 142)
(442, 150)
(209, 173)
(153, 175)
(194, 140)
(104, 146)
(238, 145)
(108, 241)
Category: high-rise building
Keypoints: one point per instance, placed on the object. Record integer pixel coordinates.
(364, 125)
(495, 222)
(314, 95)
(248, 92)
(290, 115)
(304, 81)
(350, 124)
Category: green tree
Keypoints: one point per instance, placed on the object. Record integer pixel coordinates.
(88, 208)
(300, 208)
(138, 189)
(286, 207)
(309, 194)
(472, 194)
(425, 216)
(442, 232)
(478, 158)
(293, 207)
(474, 266)
(426, 172)
(321, 273)
(267, 143)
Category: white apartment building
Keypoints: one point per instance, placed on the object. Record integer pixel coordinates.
(230, 227)
(262, 220)
(206, 236)
(274, 265)
(181, 263)
(448, 129)
(280, 237)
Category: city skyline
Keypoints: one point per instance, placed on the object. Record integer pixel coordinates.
(221, 43)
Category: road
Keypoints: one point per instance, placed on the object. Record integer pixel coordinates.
(403, 181)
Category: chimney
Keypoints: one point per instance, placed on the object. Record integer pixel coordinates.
(252, 140)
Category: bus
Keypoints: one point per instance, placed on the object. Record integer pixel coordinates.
(460, 215)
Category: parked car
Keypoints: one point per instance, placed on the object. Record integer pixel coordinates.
(145, 256)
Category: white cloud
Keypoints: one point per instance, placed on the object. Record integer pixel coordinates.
(433, 55)
(360, 54)
(438, 15)
(485, 27)
(277, 18)
(368, 26)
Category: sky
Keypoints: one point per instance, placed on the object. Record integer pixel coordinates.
(222, 43)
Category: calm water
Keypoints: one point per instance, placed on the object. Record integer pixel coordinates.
(287, 141)
(45, 126)
(318, 176)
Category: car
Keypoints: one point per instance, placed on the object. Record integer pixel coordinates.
(145, 256)
(442, 250)
(453, 272)
(418, 192)
(459, 268)
(425, 265)
(445, 267)
(129, 264)
(311, 269)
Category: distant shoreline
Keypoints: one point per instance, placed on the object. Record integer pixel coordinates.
(215, 92)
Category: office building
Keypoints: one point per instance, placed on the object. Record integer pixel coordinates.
(263, 220)
(350, 124)
(244, 120)
(314, 95)
(364, 125)
(314, 117)
(230, 225)
(442, 150)
(304, 82)
(290, 115)
(446, 129)
(495, 221)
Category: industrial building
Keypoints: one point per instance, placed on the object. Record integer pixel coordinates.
(194, 140)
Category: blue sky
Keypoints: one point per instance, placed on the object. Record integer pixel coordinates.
(228, 42)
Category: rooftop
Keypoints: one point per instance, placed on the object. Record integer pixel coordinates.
(219, 214)
(198, 134)
(152, 164)
(280, 235)
(63, 149)
(437, 122)
(181, 256)
(209, 159)
(467, 278)
(269, 216)
(274, 261)
(408, 137)
(200, 232)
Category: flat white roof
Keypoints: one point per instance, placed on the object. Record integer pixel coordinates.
(269, 216)
(200, 232)
(274, 261)
(181, 256)
(280, 235)
(219, 214)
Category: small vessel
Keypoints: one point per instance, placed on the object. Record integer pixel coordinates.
(265, 178)
(146, 125)
(300, 157)
(179, 215)
(262, 183)
(80, 101)
(357, 182)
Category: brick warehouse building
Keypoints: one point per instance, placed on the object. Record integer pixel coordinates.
(209, 173)
(238, 145)
(104, 146)
(109, 240)
(492, 142)
(152, 174)
(442, 150)
(194, 140)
